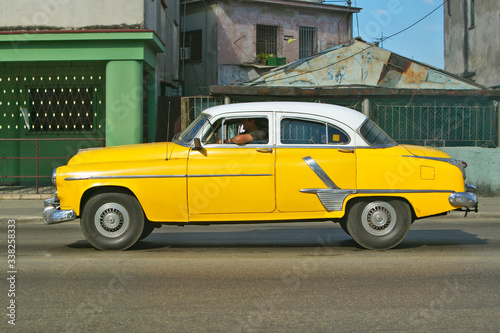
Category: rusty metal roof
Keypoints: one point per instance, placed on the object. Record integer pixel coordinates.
(360, 64)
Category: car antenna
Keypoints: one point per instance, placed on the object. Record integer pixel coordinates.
(168, 129)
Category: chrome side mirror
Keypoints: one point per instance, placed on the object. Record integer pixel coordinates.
(197, 144)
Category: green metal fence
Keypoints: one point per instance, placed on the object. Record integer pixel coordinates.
(439, 125)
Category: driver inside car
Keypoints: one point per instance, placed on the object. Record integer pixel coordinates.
(255, 130)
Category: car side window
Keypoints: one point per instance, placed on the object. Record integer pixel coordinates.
(256, 127)
(337, 136)
(224, 129)
(299, 131)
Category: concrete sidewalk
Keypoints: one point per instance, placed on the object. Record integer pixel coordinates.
(29, 210)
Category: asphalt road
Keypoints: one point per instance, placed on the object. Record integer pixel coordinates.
(303, 277)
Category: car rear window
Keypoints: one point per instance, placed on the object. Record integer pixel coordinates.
(374, 135)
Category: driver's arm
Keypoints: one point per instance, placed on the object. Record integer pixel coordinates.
(241, 138)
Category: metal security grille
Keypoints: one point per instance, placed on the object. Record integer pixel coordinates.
(439, 126)
(193, 46)
(51, 100)
(307, 41)
(191, 107)
(48, 112)
(267, 37)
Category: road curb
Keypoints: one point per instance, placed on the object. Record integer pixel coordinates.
(25, 196)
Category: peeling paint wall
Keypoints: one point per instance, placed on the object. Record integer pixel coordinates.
(471, 42)
(237, 29)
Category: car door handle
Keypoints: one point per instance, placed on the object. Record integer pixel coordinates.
(346, 150)
(265, 150)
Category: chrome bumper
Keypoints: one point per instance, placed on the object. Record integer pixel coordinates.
(53, 214)
(465, 199)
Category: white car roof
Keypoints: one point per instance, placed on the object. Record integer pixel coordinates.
(350, 117)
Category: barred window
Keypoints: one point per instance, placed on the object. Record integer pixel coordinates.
(267, 37)
(193, 43)
(307, 41)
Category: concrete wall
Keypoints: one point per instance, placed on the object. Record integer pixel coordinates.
(472, 50)
(165, 21)
(483, 167)
(70, 14)
(198, 76)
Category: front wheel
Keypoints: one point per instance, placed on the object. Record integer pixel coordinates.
(380, 224)
(112, 221)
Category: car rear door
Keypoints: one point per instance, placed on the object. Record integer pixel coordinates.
(313, 155)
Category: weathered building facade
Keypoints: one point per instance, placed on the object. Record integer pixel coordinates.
(81, 74)
(471, 43)
(228, 41)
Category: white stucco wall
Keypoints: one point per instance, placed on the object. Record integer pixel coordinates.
(70, 14)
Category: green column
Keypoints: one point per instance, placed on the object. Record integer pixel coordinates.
(124, 102)
(152, 107)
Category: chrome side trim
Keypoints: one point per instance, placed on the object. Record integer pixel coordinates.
(442, 159)
(331, 199)
(402, 191)
(232, 175)
(166, 176)
(316, 146)
(320, 172)
(125, 177)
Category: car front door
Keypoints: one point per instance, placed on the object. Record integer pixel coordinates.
(229, 178)
(315, 164)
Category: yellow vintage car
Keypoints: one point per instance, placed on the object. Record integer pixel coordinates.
(261, 162)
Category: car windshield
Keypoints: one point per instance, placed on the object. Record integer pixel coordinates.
(374, 135)
(187, 136)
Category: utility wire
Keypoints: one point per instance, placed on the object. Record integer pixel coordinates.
(363, 50)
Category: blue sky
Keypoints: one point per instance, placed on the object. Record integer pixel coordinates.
(423, 42)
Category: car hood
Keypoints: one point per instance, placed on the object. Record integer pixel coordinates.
(126, 153)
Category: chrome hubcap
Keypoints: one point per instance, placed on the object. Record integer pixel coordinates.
(378, 218)
(112, 220)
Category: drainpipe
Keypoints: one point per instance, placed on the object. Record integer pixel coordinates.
(498, 117)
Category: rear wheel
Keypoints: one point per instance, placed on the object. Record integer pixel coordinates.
(380, 224)
(112, 221)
